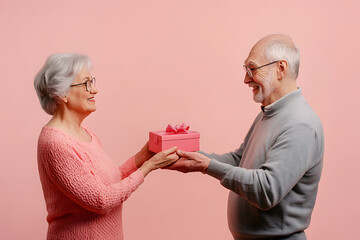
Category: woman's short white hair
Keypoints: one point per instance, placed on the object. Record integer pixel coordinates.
(281, 50)
(55, 77)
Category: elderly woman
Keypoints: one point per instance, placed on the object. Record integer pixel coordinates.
(83, 188)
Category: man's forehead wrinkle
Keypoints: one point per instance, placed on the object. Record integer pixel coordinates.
(257, 53)
(254, 58)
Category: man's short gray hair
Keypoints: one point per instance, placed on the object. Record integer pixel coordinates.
(55, 77)
(280, 50)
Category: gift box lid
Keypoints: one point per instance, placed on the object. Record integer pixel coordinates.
(164, 136)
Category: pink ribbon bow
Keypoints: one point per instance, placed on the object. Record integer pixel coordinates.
(183, 128)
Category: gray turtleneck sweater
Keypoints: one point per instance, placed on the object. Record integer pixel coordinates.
(274, 175)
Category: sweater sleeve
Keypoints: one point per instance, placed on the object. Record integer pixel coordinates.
(82, 185)
(232, 158)
(287, 161)
(128, 167)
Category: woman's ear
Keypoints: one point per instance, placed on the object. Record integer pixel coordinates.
(63, 99)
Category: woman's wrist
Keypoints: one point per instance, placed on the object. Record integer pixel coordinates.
(139, 159)
(146, 168)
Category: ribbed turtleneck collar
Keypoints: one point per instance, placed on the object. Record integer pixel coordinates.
(277, 106)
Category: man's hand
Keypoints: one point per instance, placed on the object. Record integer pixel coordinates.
(190, 162)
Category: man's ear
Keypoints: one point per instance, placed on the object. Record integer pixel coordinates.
(282, 69)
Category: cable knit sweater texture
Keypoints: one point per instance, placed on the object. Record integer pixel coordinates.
(83, 188)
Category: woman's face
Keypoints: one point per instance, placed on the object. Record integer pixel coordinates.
(79, 99)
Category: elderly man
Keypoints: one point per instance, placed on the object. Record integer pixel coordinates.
(273, 177)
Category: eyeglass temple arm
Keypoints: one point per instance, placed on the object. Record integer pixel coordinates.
(263, 65)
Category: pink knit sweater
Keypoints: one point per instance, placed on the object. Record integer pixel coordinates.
(83, 188)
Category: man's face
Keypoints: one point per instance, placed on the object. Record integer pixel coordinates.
(263, 79)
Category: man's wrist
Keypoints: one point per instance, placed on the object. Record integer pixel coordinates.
(206, 164)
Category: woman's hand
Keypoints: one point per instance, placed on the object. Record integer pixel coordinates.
(161, 159)
(143, 155)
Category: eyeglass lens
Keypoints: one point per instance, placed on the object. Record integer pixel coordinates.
(90, 84)
(248, 71)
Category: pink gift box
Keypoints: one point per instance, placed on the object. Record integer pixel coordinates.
(161, 140)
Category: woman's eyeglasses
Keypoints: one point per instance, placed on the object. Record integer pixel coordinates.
(89, 84)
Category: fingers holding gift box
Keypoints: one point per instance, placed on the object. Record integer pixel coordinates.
(190, 162)
(160, 160)
(143, 155)
(178, 135)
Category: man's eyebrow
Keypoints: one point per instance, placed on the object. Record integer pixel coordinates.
(251, 63)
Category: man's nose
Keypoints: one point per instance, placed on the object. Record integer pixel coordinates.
(247, 79)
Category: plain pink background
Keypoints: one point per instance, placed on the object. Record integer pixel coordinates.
(160, 62)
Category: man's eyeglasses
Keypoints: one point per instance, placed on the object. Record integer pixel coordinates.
(249, 69)
(89, 84)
